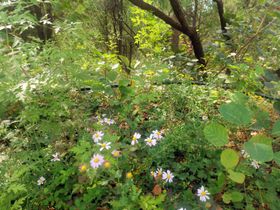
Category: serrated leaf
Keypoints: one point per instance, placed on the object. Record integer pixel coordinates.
(229, 158)
(236, 113)
(216, 134)
(236, 176)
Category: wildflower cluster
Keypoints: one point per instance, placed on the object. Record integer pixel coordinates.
(104, 120)
(152, 140)
(166, 176)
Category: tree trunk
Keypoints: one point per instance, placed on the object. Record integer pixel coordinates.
(197, 47)
(223, 22)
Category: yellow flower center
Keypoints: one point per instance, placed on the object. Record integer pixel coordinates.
(116, 153)
(134, 138)
(168, 176)
(129, 175)
(83, 168)
(107, 165)
(96, 160)
(203, 193)
(103, 145)
(149, 140)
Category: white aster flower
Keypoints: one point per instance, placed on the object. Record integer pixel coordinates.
(255, 164)
(203, 194)
(168, 176)
(96, 161)
(55, 157)
(97, 136)
(105, 145)
(150, 141)
(108, 121)
(157, 134)
(41, 181)
(135, 138)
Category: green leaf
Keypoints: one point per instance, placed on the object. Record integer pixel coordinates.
(236, 176)
(226, 198)
(232, 196)
(259, 148)
(276, 128)
(216, 134)
(277, 157)
(112, 75)
(229, 158)
(263, 119)
(239, 98)
(236, 196)
(236, 113)
(261, 139)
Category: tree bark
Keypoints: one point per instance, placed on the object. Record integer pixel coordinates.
(223, 21)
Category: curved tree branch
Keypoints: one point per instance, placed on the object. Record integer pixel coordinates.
(178, 11)
(181, 26)
(158, 13)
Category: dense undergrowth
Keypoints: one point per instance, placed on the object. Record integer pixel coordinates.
(78, 132)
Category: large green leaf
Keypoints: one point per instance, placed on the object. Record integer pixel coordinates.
(276, 129)
(236, 176)
(229, 158)
(263, 119)
(216, 134)
(261, 139)
(236, 113)
(259, 148)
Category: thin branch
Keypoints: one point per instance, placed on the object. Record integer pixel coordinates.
(259, 30)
